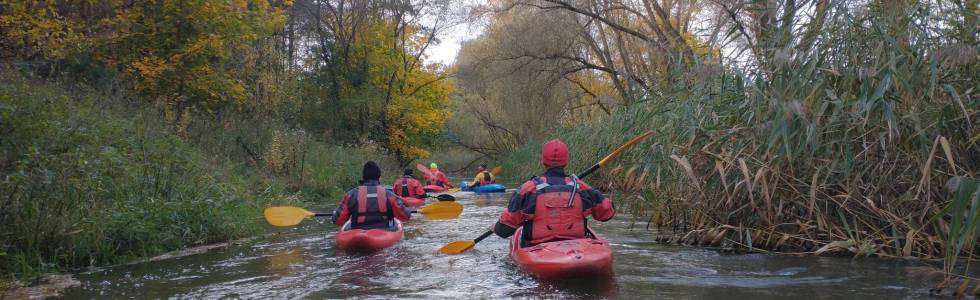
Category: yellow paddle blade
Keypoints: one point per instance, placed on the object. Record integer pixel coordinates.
(453, 190)
(457, 247)
(286, 215)
(496, 170)
(623, 148)
(442, 210)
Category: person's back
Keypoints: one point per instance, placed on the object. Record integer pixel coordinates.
(437, 178)
(370, 205)
(555, 205)
(483, 177)
(407, 186)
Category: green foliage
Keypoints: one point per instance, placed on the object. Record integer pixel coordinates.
(376, 87)
(190, 53)
(85, 186)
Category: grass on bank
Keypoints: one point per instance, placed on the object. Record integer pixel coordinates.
(89, 179)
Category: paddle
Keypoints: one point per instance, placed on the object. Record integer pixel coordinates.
(425, 171)
(458, 247)
(496, 170)
(288, 216)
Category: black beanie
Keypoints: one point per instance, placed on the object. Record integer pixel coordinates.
(371, 171)
(408, 171)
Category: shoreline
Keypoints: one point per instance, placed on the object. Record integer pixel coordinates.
(52, 284)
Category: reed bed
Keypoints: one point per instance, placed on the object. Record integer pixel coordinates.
(863, 146)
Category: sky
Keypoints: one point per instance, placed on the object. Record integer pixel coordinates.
(451, 38)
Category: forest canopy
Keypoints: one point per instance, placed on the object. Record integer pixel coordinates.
(346, 71)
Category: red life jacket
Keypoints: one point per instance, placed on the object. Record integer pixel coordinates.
(558, 213)
(436, 179)
(371, 207)
(404, 186)
(486, 179)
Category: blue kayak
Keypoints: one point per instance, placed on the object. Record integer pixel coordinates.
(489, 188)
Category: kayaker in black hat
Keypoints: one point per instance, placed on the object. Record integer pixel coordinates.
(370, 205)
(408, 186)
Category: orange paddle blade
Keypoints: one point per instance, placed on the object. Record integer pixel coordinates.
(457, 247)
(286, 215)
(623, 148)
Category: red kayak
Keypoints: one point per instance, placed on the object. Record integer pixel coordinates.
(368, 240)
(433, 189)
(413, 202)
(563, 259)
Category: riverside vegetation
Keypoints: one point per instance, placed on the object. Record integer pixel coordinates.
(793, 126)
(824, 126)
(132, 128)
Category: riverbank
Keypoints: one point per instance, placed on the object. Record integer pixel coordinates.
(816, 172)
(717, 182)
(92, 178)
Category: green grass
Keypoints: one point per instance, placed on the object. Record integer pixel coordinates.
(85, 186)
(89, 179)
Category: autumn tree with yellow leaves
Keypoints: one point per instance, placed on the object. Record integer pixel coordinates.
(351, 72)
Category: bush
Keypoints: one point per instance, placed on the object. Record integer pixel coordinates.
(84, 185)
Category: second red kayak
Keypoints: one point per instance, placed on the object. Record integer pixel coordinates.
(433, 189)
(368, 240)
(563, 259)
(413, 202)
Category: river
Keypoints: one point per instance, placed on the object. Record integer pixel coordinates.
(301, 262)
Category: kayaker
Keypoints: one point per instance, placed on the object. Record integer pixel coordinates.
(408, 186)
(553, 206)
(483, 177)
(363, 207)
(437, 178)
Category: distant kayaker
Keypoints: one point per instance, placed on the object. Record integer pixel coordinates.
(437, 177)
(555, 205)
(370, 205)
(408, 186)
(483, 177)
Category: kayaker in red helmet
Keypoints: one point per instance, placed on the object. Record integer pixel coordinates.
(437, 178)
(408, 186)
(370, 205)
(553, 206)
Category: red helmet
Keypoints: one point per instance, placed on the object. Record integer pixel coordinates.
(554, 154)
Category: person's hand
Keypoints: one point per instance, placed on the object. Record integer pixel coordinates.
(492, 227)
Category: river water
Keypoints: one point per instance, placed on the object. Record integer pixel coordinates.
(301, 262)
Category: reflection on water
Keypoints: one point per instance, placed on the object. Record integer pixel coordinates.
(301, 263)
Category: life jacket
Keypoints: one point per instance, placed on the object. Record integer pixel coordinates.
(558, 213)
(402, 186)
(371, 207)
(436, 179)
(487, 178)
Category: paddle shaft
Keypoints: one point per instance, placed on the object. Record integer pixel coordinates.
(442, 197)
(483, 236)
(591, 169)
(331, 214)
(588, 171)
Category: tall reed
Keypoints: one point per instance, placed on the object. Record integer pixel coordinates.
(843, 148)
